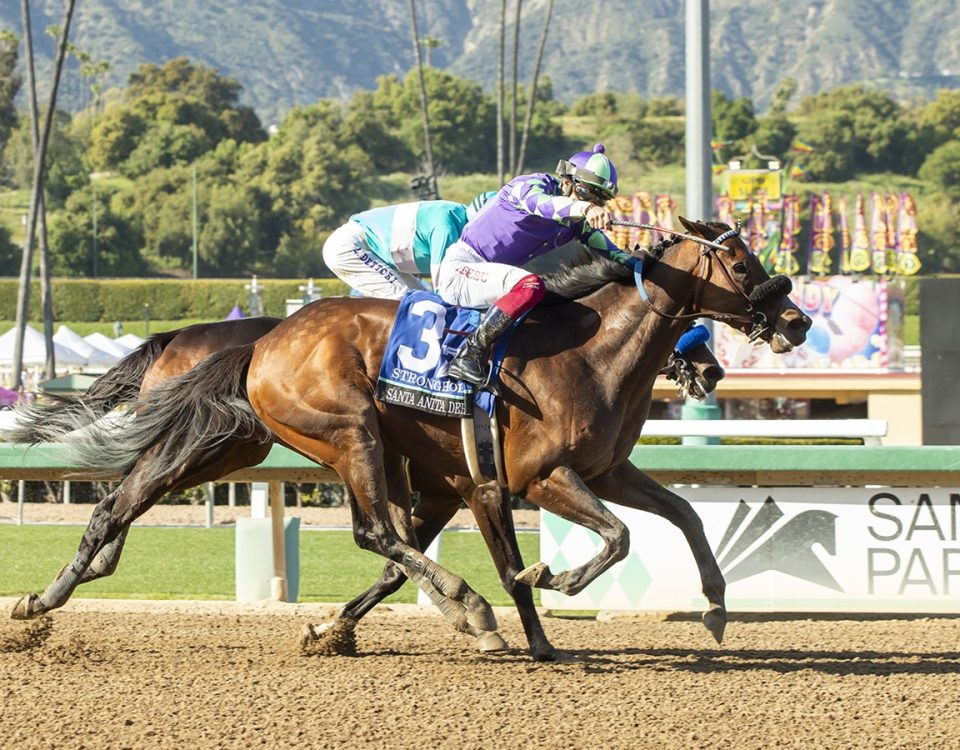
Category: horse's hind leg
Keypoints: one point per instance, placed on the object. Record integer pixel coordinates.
(628, 486)
(103, 539)
(430, 515)
(352, 445)
(103, 527)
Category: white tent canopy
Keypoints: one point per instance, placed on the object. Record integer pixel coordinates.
(35, 350)
(95, 357)
(108, 345)
(129, 340)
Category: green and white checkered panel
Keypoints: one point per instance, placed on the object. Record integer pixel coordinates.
(622, 587)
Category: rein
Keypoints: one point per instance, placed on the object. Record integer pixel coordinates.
(777, 285)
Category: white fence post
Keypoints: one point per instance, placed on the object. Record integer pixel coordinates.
(433, 552)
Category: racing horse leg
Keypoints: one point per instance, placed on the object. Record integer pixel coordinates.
(437, 505)
(564, 493)
(490, 504)
(628, 486)
(102, 543)
(350, 442)
(430, 515)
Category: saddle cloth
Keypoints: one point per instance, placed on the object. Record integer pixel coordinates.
(426, 335)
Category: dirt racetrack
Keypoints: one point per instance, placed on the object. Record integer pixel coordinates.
(113, 674)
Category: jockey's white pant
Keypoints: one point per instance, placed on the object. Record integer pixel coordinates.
(346, 254)
(464, 278)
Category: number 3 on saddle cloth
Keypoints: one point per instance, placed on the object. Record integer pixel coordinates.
(426, 335)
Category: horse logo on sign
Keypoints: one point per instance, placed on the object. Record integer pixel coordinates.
(770, 541)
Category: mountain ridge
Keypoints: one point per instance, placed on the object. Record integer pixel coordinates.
(292, 52)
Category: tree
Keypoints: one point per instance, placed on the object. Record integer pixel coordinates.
(10, 83)
(9, 252)
(732, 120)
(118, 237)
(774, 135)
(857, 129)
(461, 118)
(942, 168)
(170, 115)
(940, 119)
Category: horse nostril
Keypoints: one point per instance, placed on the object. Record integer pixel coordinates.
(801, 323)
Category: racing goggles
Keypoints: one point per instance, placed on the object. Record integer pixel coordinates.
(584, 179)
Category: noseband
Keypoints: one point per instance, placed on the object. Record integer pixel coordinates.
(778, 286)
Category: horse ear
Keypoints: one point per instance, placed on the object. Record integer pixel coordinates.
(691, 226)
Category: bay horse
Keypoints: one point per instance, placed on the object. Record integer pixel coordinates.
(167, 354)
(172, 353)
(578, 380)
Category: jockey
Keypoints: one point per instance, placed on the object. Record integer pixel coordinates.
(530, 215)
(381, 252)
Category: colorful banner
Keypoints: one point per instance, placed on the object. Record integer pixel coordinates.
(725, 209)
(860, 251)
(664, 206)
(907, 262)
(621, 208)
(786, 257)
(638, 209)
(878, 233)
(857, 324)
(845, 242)
(821, 234)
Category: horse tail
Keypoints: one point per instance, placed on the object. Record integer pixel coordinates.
(50, 420)
(198, 410)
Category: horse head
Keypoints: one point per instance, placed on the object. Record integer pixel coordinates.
(735, 288)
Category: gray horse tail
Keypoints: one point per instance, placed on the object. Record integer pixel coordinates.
(50, 420)
(201, 409)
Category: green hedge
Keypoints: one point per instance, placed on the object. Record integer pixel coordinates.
(107, 300)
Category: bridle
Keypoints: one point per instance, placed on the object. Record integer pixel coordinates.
(778, 286)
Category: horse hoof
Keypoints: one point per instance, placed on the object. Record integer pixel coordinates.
(25, 609)
(479, 614)
(336, 638)
(491, 641)
(537, 576)
(715, 620)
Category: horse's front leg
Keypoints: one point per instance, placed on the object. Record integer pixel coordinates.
(491, 509)
(563, 493)
(628, 486)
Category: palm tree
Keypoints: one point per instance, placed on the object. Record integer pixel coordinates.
(513, 96)
(532, 96)
(503, 30)
(428, 151)
(41, 141)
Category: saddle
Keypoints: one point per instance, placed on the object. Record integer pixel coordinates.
(426, 334)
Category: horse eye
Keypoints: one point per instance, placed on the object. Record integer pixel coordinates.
(740, 267)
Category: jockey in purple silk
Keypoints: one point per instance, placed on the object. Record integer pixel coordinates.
(529, 216)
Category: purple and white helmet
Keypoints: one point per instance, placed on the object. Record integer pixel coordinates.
(591, 168)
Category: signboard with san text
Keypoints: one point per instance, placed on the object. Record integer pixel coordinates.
(780, 549)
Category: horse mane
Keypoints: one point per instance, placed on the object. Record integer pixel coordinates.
(584, 273)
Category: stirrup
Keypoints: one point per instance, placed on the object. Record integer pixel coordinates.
(458, 370)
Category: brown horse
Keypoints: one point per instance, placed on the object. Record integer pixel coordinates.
(173, 353)
(578, 382)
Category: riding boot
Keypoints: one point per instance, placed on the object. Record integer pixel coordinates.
(470, 363)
